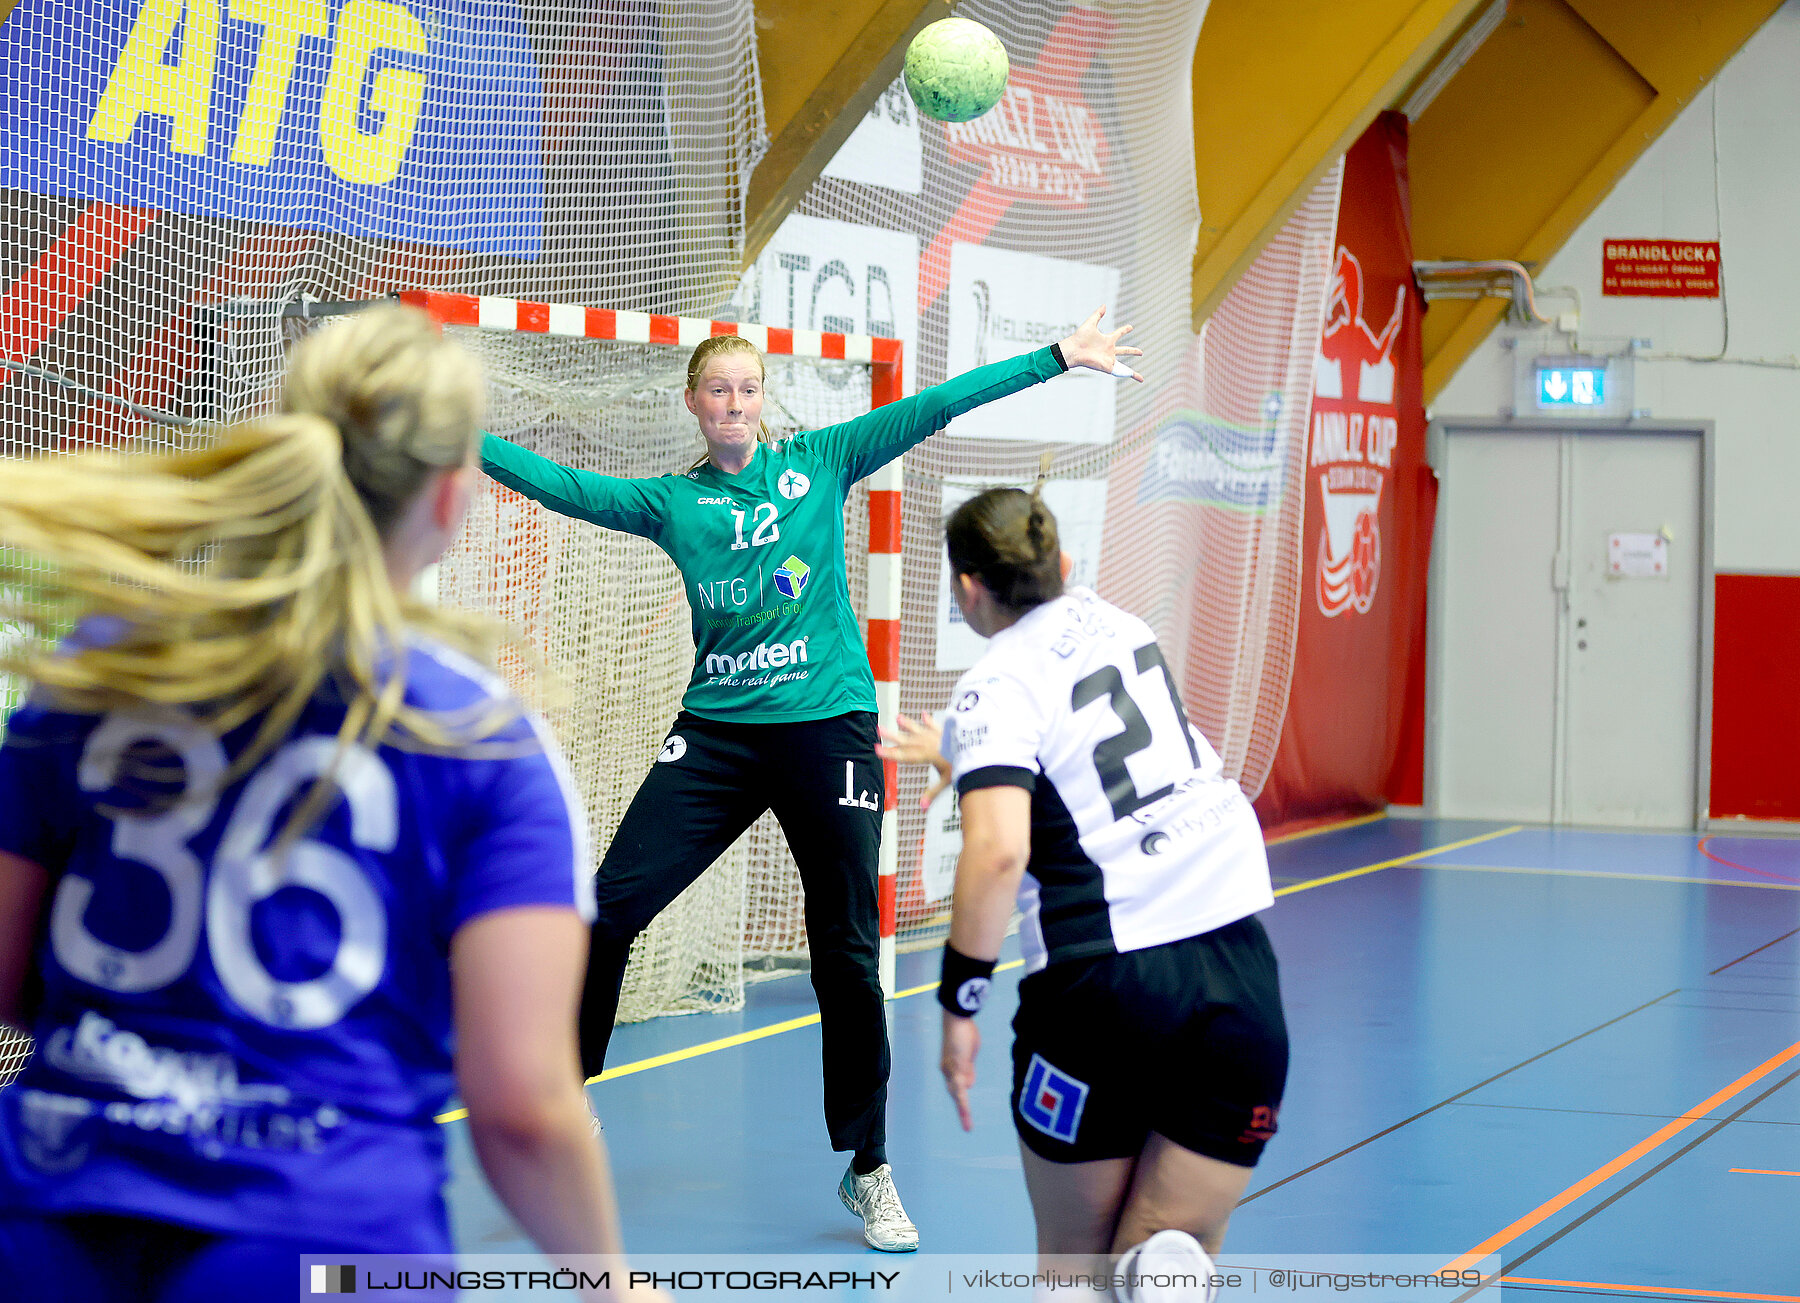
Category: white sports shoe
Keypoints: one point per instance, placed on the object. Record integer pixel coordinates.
(1166, 1265)
(874, 1199)
(594, 1127)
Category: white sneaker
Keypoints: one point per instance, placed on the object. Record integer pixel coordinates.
(594, 1127)
(1166, 1265)
(874, 1199)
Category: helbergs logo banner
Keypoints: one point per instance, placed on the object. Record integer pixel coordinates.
(419, 121)
(791, 577)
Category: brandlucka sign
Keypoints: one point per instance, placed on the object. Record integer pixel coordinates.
(1660, 269)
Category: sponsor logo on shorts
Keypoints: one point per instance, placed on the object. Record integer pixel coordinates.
(793, 484)
(1262, 1125)
(763, 656)
(791, 578)
(672, 749)
(1051, 1100)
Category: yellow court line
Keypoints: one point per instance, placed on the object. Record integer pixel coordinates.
(1598, 873)
(722, 1043)
(1355, 821)
(775, 1029)
(1661, 1291)
(1395, 863)
(1600, 1175)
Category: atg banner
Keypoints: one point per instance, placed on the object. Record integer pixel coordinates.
(416, 121)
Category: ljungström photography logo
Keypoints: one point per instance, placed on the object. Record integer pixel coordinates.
(331, 1279)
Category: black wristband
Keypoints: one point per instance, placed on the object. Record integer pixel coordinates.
(964, 984)
(1056, 352)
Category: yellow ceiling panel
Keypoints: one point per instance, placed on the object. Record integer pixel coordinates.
(1544, 98)
(1540, 124)
(1280, 91)
(823, 65)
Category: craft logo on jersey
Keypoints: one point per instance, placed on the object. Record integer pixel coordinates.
(793, 484)
(790, 579)
(1355, 426)
(1051, 1100)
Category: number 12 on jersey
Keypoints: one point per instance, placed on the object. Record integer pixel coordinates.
(766, 531)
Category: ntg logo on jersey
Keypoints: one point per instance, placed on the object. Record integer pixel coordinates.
(791, 578)
(764, 656)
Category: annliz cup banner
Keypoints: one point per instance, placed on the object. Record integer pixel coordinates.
(1369, 502)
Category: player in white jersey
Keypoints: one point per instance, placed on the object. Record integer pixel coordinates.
(1150, 1050)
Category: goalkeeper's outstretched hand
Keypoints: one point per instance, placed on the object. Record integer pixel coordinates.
(1099, 350)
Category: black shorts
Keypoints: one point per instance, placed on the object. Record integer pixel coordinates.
(1185, 1039)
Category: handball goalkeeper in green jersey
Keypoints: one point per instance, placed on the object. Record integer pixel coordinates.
(780, 712)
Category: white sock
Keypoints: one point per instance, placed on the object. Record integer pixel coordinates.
(1170, 1259)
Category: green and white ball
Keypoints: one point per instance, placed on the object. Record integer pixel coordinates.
(955, 70)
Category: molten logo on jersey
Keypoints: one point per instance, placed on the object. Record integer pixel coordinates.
(1354, 430)
(790, 579)
(1051, 1100)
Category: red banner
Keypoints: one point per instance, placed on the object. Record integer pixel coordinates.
(1354, 705)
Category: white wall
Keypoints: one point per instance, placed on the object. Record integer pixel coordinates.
(1670, 193)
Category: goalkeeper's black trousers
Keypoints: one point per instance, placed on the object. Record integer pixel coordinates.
(711, 781)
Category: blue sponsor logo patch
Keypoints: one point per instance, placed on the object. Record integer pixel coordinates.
(790, 579)
(1051, 1100)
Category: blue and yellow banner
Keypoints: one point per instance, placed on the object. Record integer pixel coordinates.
(416, 121)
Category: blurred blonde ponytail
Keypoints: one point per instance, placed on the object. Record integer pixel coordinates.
(234, 576)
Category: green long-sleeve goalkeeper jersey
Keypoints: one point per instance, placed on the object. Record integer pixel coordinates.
(761, 553)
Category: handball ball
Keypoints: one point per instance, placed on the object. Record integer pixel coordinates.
(955, 70)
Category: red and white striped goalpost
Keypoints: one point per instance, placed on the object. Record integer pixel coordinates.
(883, 357)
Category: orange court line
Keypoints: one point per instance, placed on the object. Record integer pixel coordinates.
(1760, 1171)
(1652, 1289)
(1500, 1239)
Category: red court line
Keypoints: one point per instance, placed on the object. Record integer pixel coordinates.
(1663, 1291)
(1550, 1207)
(1733, 864)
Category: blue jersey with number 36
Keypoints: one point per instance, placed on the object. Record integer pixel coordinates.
(245, 1048)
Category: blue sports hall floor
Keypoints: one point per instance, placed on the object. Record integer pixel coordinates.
(1579, 1050)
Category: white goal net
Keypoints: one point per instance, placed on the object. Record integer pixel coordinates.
(608, 614)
